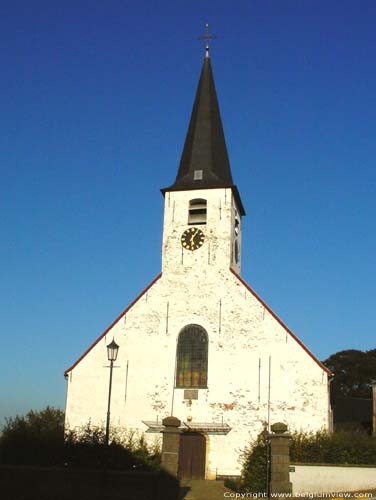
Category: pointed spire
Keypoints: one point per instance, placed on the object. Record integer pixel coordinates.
(204, 162)
(205, 147)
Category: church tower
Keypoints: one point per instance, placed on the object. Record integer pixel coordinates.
(198, 343)
(203, 209)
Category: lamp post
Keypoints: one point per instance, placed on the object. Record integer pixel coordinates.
(112, 352)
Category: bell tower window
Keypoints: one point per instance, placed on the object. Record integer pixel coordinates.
(197, 211)
(192, 358)
(236, 251)
(236, 226)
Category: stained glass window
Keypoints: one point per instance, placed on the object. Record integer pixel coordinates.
(192, 357)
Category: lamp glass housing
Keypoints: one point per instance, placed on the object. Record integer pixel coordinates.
(112, 351)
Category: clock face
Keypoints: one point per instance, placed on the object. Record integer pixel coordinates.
(192, 238)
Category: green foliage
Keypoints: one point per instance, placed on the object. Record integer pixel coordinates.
(36, 438)
(354, 372)
(254, 459)
(127, 450)
(149, 456)
(342, 447)
(232, 484)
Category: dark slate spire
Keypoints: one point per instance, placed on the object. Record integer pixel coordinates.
(205, 146)
(204, 163)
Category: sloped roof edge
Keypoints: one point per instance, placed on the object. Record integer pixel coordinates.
(282, 323)
(112, 324)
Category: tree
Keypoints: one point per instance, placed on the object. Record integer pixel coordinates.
(37, 437)
(354, 372)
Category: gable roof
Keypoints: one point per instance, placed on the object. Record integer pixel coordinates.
(321, 365)
(247, 287)
(112, 324)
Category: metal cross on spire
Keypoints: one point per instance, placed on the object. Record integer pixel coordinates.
(207, 37)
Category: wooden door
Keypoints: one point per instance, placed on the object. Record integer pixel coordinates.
(192, 456)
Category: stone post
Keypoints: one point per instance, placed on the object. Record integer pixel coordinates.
(280, 459)
(170, 445)
(374, 409)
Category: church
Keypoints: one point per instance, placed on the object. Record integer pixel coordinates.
(198, 343)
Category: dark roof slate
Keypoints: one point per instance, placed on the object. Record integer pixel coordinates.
(205, 151)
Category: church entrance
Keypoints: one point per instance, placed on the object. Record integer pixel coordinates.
(192, 456)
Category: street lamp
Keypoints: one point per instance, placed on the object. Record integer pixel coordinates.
(112, 352)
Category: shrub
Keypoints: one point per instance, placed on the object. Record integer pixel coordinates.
(232, 484)
(127, 450)
(38, 439)
(255, 469)
(342, 447)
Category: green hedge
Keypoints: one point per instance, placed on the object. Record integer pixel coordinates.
(38, 438)
(255, 468)
(126, 450)
(342, 447)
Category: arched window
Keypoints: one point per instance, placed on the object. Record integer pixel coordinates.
(197, 211)
(192, 357)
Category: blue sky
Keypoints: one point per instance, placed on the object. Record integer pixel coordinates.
(95, 99)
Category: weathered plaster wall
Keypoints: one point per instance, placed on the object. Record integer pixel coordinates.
(198, 288)
(216, 252)
(236, 393)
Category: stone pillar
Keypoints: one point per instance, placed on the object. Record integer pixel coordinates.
(171, 444)
(374, 409)
(280, 459)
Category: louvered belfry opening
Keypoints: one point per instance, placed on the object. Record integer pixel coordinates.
(192, 358)
(197, 212)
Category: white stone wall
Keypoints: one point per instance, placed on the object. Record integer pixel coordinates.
(236, 394)
(199, 288)
(332, 479)
(216, 251)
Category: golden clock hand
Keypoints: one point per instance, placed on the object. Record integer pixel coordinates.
(192, 241)
(193, 235)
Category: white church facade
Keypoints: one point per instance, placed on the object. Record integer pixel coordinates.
(198, 343)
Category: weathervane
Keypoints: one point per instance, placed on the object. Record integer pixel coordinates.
(207, 37)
